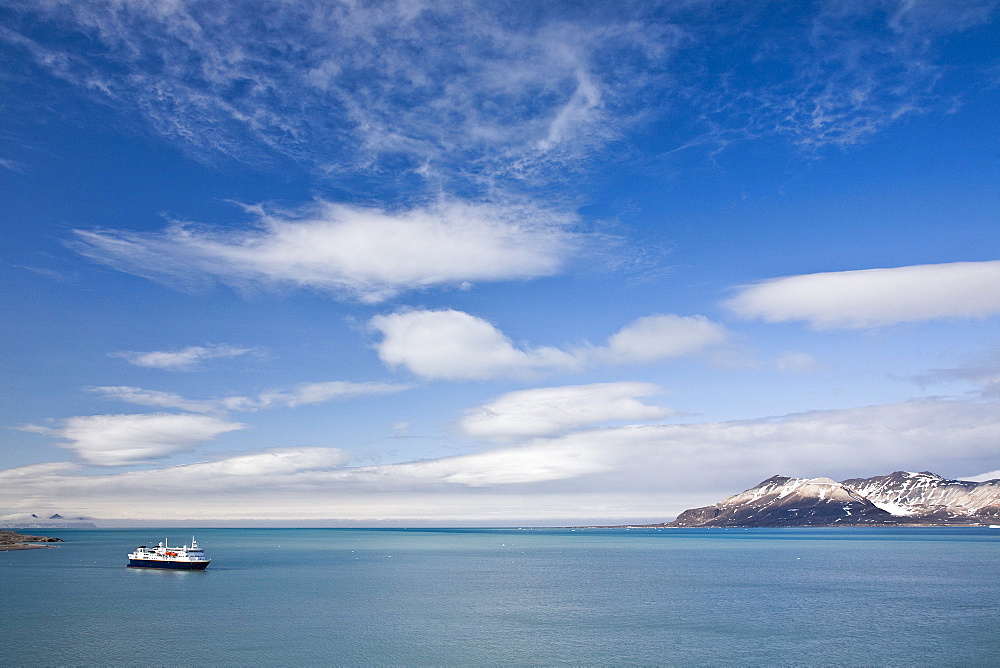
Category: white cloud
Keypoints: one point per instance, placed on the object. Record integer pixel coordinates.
(659, 337)
(155, 398)
(982, 477)
(272, 463)
(456, 345)
(34, 471)
(875, 297)
(551, 410)
(354, 252)
(121, 440)
(544, 462)
(307, 393)
(180, 360)
(314, 393)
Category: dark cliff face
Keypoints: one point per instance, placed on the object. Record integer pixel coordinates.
(817, 513)
(900, 498)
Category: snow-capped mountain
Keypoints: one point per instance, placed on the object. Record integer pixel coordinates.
(898, 498)
(925, 494)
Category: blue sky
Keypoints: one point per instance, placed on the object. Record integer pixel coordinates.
(491, 263)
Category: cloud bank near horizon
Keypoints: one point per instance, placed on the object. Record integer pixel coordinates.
(639, 470)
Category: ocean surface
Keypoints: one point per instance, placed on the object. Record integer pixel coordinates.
(497, 597)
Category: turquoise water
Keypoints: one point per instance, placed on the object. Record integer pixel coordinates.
(308, 597)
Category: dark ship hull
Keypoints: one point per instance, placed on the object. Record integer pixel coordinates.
(171, 565)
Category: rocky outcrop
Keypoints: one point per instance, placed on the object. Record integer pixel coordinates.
(900, 498)
(11, 540)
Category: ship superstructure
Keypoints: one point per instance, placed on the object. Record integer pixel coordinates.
(189, 558)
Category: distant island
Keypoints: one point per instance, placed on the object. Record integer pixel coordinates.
(11, 540)
(898, 499)
(33, 521)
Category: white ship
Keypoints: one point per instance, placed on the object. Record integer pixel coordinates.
(162, 556)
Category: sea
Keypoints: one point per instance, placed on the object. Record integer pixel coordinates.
(509, 597)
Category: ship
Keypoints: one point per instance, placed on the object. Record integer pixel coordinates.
(162, 556)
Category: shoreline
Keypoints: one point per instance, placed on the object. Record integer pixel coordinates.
(11, 540)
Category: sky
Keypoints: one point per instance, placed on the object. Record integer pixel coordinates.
(495, 263)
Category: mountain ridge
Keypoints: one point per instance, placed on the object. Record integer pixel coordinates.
(901, 498)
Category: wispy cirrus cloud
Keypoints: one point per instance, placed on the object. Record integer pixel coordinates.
(335, 83)
(158, 399)
(354, 252)
(304, 394)
(469, 93)
(875, 297)
(121, 440)
(456, 345)
(823, 74)
(184, 359)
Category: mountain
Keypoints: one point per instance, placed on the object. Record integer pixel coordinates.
(926, 495)
(33, 521)
(900, 498)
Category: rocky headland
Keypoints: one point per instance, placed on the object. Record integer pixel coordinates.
(11, 540)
